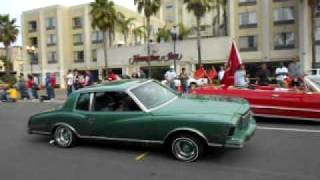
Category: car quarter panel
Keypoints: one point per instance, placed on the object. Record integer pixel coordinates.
(215, 131)
(46, 122)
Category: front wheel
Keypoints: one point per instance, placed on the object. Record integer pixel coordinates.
(186, 148)
(64, 137)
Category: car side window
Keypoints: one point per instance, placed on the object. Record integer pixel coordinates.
(83, 103)
(114, 102)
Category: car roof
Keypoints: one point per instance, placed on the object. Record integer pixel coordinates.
(121, 85)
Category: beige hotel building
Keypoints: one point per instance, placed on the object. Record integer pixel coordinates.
(270, 31)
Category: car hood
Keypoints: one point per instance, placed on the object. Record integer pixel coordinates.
(194, 104)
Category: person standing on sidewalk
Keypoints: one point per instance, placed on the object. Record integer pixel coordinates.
(30, 84)
(22, 87)
(69, 80)
(53, 82)
(170, 77)
(184, 80)
(88, 79)
(48, 86)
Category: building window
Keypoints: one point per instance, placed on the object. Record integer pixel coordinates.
(284, 40)
(94, 55)
(248, 20)
(32, 26)
(247, 2)
(77, 22)
(52, 57)
(77, 39)
(51, 23)
(97, 37)
(52, 40)
(33, 41)
(78, 56)
(283, 15)
(248, 43)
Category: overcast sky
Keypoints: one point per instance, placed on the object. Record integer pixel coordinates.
(16, 7)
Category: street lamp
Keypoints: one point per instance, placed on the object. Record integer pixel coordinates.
(32, 51)
(174, 35)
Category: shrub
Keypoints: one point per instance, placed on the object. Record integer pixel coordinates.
(8, 78)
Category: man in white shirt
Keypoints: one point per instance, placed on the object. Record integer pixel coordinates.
(281, 75)
(170, 77)
(69, 79)
(221, 73)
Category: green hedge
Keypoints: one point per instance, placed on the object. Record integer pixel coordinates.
(8, 78)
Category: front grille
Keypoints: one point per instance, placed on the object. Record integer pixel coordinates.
(244, 120)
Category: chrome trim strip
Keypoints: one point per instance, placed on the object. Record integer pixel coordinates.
(39, 132)
(92, 95)
(122, 139)
(187, 129)
(214, 145)
(285, 108)
(238, 146)
(286, 117)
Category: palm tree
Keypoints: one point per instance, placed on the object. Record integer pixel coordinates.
(184, 32)
(149, 8)
(220, 6)
(104, 16)
(8, 35)
(199, 9)
(124, 25)
(138, 33)
(163, 34)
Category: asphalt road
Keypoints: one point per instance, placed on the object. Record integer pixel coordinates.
(279, 150)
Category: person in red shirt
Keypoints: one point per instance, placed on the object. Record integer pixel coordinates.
(30, 85)
(53, 82)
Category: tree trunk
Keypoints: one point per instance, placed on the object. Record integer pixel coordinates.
(7, 64)
(110, 38)
(225, 20)
(313, 46)
(105, 46)
(148, 47)
(198, 41)
(125, 38)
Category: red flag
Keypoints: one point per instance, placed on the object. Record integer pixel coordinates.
(200, 73)
(234, 63)
(212, 73)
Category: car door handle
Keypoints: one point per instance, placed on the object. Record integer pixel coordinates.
(275, 95)
(91, 119)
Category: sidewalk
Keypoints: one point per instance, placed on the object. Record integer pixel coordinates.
(60, 94)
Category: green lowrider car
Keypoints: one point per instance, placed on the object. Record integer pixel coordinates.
(145, 111)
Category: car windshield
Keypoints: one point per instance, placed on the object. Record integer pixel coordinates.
(152, 94)
(314, 83)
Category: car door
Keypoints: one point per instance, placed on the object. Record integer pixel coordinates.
(115, 115)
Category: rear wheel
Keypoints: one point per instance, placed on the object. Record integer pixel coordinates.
(186, 147)
(64, 137)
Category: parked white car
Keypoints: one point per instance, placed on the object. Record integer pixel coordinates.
(192, 82)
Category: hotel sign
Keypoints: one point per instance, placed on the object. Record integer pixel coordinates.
(168, 57)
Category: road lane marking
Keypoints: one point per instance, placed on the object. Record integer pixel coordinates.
(141, 157)
(288, 129)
